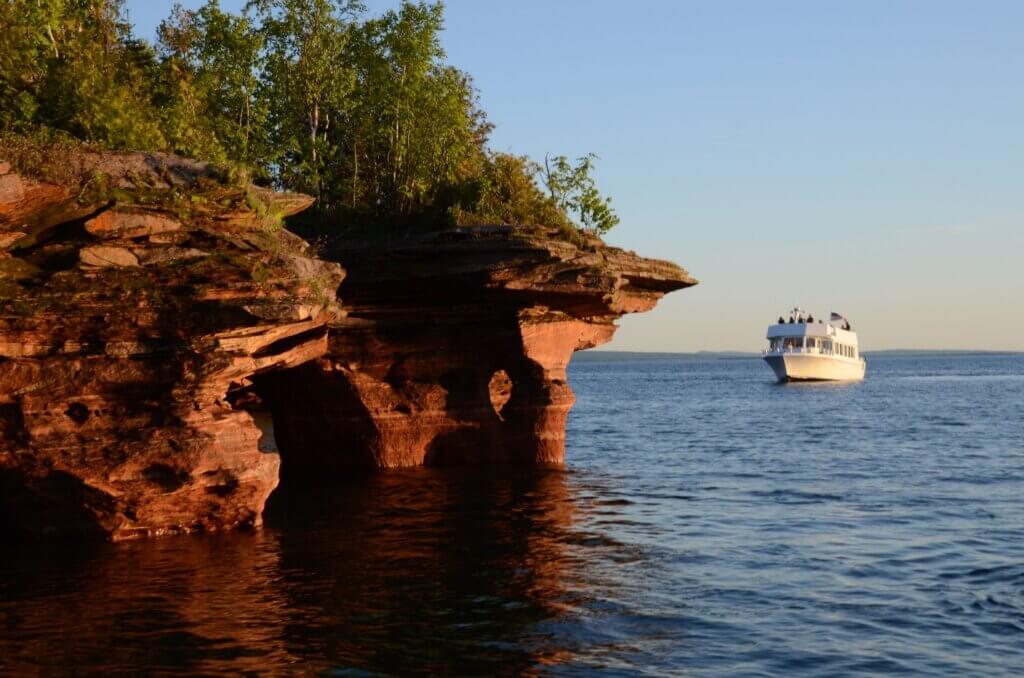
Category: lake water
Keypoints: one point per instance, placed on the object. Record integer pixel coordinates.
(708, 522)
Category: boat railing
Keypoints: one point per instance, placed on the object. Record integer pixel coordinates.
(803, 350)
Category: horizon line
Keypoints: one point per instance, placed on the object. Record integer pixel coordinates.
(755, 352)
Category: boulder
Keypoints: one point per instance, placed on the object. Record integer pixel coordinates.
(103, 256)
(121, 223)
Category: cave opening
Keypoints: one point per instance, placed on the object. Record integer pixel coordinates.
(499, 388)
(311, 418)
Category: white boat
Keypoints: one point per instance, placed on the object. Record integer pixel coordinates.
(804, 349)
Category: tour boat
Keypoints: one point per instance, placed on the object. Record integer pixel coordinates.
(804, 349)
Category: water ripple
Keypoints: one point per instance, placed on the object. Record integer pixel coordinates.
(709, 523)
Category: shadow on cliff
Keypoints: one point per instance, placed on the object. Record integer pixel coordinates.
(320, 424)
(43, 507)
(414, 389)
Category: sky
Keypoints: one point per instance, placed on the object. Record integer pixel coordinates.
(864, 157)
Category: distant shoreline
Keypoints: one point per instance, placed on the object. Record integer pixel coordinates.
(613, 356)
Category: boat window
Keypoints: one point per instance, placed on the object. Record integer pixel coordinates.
(811, 342)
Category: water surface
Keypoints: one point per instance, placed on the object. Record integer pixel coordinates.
(708, 522)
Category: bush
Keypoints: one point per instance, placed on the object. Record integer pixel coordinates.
(506, 192)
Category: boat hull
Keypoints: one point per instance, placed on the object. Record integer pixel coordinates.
(803, 367)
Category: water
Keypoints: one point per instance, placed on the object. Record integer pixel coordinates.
(709, 522)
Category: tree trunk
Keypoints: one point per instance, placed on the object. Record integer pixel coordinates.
(355, 171)
(314, 125)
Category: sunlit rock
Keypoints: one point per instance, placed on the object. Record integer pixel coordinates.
(169, 352)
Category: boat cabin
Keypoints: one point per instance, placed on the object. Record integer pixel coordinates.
(803, 334)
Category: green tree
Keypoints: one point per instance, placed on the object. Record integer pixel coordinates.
(417, 129)
(27, 43)
(506, 192)
(73, 65)
(366, 115)
(306, 81)
(210, 76)
(574, 191)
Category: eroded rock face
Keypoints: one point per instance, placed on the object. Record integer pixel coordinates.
(168, 351)
(131, 326)
(454, 349)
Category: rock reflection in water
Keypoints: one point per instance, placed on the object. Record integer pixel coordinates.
(454, 571)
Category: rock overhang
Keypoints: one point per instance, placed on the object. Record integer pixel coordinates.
(165, 345)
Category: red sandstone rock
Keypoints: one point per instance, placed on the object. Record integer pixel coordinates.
(130, 223)
(160, 368)
(454, 349)
(103, 256)
(117, 380)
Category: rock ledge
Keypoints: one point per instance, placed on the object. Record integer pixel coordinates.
(169, 352)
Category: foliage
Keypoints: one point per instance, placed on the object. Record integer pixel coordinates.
(306, 81)
(210, 81)
(364, 114)
(73, 65)
(574, 191)
(45, 154)
(506, 192)
(415, 128)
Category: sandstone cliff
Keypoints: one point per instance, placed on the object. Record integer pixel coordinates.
(167, 348)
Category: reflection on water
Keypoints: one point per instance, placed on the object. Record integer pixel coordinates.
(711, 523)
(443, 571)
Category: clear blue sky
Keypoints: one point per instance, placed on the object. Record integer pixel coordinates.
(862, 156)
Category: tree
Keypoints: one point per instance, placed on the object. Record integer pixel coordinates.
(574, 191)
(210, 62)
(366, 115)
(27, 43)
(416, 127)
(505, 191)
(305, 81)
(73, 65)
